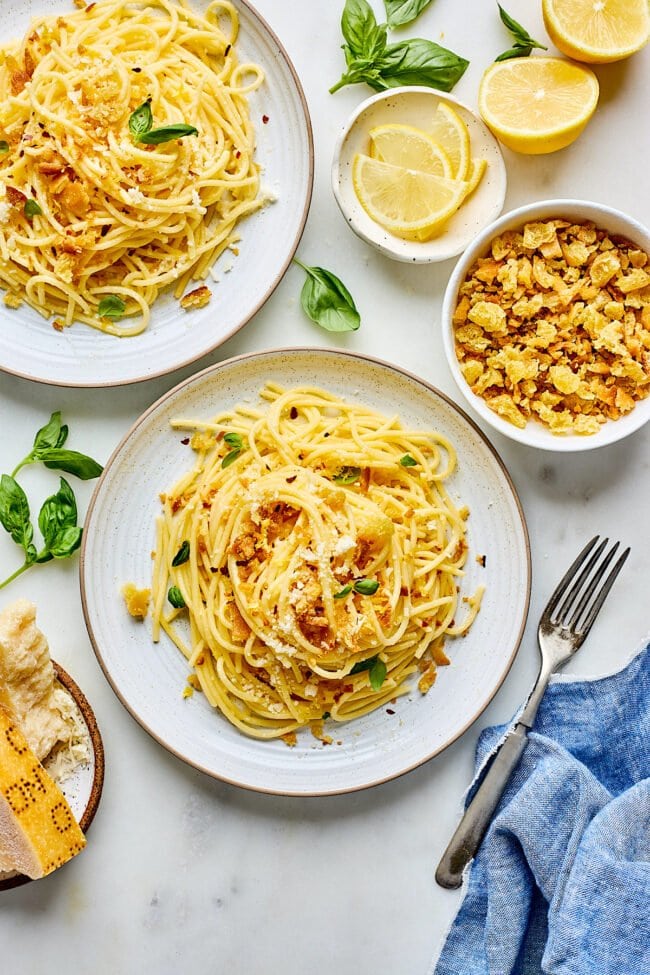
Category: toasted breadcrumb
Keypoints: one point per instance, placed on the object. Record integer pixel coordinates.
(197, 298)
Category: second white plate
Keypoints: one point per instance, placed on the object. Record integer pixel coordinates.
(149, 679)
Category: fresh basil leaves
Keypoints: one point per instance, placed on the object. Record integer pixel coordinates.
(4, 146)
(523, 44)
(326, 300)
(376, 670)
(57, 519)
(408, 461)
(48, 448)
(236, 445)
(111, 306)
(141, 127)
(371, 59)
(32, 209)
(182, 555)
(365, 587)
(175, 597)
(347, 475)
(401, 12)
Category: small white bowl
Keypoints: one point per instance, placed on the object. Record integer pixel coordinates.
(534, 434)
(414, 106)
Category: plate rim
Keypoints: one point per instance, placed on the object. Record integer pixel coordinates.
(63, 677)
(98, 384)
(283, 351)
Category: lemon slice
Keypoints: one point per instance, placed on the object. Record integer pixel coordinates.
(597, 30)
(404, 145)
(539, 104)
(411, 204)
(450, 132)
(476, 172)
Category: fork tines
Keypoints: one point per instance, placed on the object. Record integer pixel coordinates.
(587, 591)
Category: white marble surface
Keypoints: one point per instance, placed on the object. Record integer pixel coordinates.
(183, 873)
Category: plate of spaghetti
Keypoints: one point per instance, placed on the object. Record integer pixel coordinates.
(149, 150)
(294, 571)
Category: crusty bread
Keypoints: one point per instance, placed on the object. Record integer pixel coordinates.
(27, 679)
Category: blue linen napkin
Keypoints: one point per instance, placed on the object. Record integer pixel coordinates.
(561, 884)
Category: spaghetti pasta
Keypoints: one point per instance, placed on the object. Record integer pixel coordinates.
(89, 210)
(312, 558)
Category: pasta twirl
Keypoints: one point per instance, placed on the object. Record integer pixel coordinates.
(88, 211)
(319, 559)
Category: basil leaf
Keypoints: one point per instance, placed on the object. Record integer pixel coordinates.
(366, 587)
(343, 592)
(230, 458)
(49, 435)
(347, 475)
(168, 133)
(408, 461)
(31, 209)
(327, 302)
(524, 43)
(14, 514)
(175, 596)
(4, 146)
(141, 120)
(111, 307)
(182, 555)
(401, 12)
(58, 513)
(66, 542)
(72, 462)
(325, 715)
(233, 440)
(362, 665)
(377, 674)
(423, 63)
(358, 24)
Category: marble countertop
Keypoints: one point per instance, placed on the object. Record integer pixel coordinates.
(186, 874)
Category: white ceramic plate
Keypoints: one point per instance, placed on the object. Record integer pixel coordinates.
(83, 788)
(81, 356)
(149, 680)
(414, 106)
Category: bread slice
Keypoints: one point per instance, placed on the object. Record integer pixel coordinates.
(27, 679)
(38, 832)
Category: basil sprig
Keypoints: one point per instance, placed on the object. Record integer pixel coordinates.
(401, 12)
(365, 587)
(523, 44)
(371, 59)
(48, 448)
(326, 300)
(141, 127)
(376, 668)
(57, 521)
(182, 555)
(347, 475)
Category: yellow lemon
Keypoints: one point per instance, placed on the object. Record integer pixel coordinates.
(597, 31)
(537, 104)
(404, 145)
(407, 202)
(476, 170)
(449, 131)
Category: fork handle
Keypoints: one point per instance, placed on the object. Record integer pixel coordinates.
(467, 839)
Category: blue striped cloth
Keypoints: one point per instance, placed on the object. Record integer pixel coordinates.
(561, 884)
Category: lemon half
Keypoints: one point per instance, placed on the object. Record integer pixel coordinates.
(539, 104)
(597, 31)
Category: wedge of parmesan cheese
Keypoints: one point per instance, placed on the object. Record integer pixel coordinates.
(38, 832)
(27, 679)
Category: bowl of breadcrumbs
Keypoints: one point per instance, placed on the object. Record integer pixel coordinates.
(546, 325)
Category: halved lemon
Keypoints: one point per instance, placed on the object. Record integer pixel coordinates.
(597, 31)
(449, 131)
(539, 104)
(404, 145)
(407, 202)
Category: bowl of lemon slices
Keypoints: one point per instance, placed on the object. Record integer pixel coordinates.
(417, 174)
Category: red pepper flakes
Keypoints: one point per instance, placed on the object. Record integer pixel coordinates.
(265, 119)
(185, 440)
(389, 711)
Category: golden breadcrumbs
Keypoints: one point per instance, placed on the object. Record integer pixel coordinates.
(554, 324)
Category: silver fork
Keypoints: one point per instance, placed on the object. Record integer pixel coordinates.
(563, 627)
